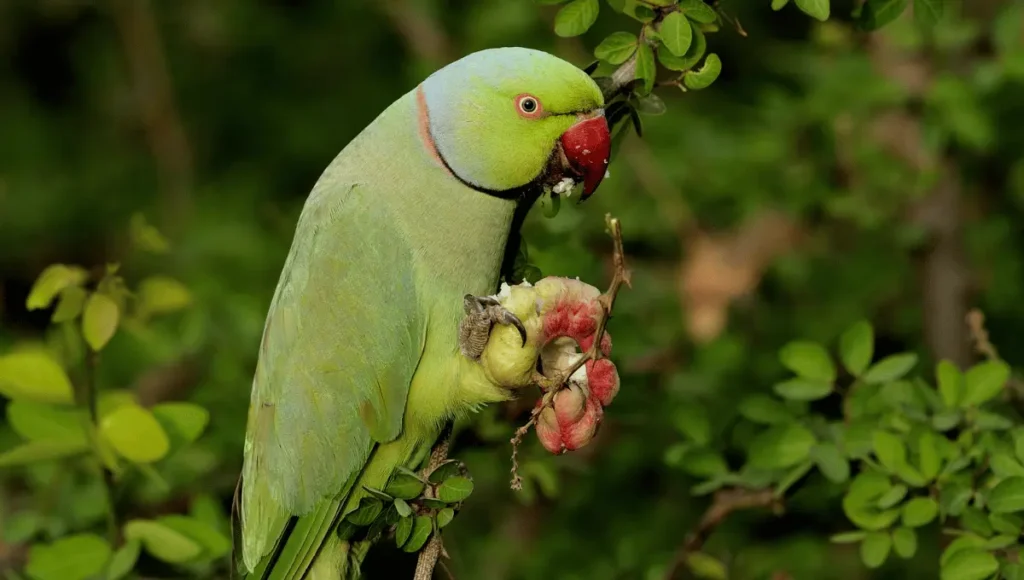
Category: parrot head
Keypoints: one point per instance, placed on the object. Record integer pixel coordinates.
(506, 120)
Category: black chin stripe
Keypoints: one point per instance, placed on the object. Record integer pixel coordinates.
(510, 194)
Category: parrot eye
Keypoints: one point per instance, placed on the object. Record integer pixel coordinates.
(528, 106)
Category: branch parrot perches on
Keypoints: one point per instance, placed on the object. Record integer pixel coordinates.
(360, 363)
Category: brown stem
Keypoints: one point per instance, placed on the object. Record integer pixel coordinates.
(725, 502)
(430, 554)
(154, 97)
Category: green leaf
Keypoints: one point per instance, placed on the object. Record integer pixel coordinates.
(683, 63)
(706, 566)
(764, 409)
(455, 489)
(214, 543)
(794, 475)
(951, 383)
(135, 434)
(650, 105)
(698, 11)
(123, 562)
(857, 346)
(781, 447)
(848, 537)
(99, 320)
(1018, 443)
(984, 381)
(183, 422)
(1007, 496)
(691, 419)
(874, 550)
(404, 486)
(892, 497)
(1012, 571)
(576, 17)
(877, 13)
(676, 33)
(146, 237)
(890, 368)
(779, 4)
(445, 517)
(402, 507)
(422, 527)
(617, 47)
(1004, 465)
(987, 421)
(809, 360)
(39, 421)
(75, 557)
(830, 462)
(704, 463)
(910, 475)
(449, 468)
(38, 451)
(368, 510)
(890, 450)
(904, 542)
(161, 295)
(959, 544)
(1006, 523)
(814, 8)
(402, 530)
(800, 389)
(51, 282)
(969, 565)
(72, 300)
(974, 520)
(919, 511)
(33, 375)
(705, 75)
(163, 542)
(927, 13)
(645, 67)
(928, 454)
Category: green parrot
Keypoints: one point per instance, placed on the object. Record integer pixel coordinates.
(400, 241)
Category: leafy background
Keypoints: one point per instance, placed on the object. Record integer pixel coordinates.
(829, 175)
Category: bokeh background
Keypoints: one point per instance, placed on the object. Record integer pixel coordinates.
(827, 176)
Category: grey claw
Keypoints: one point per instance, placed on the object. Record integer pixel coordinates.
(509, 318)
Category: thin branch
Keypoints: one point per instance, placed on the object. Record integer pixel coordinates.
(154, 96)
(430, 553)
(552, 385)
(726, 502)
(88, 399)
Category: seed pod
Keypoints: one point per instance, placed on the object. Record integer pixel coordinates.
(548, 432)
(580, 433)
(603, 379)
(570, 403)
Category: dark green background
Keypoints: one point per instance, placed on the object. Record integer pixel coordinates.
(894, 160)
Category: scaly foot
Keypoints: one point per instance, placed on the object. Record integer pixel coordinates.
(482, 312)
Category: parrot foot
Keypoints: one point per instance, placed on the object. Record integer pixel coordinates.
(482, 313)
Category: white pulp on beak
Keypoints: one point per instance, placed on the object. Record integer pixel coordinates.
(564, 187)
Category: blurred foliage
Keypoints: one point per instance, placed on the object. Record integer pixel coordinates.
(863, 164)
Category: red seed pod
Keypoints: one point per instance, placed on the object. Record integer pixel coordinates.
(581, 432)
(603, 379)
(548, 432)
(570, 403)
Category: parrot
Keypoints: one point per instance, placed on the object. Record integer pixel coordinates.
(400, 243)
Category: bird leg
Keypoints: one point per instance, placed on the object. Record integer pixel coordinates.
(482, 313)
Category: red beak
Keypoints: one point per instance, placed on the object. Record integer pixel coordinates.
(587, 145)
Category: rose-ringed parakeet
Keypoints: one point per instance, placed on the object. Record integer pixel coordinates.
(401, 238)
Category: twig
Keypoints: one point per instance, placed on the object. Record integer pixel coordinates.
(552, 385)
(154, 96)
(430, 554)
(983, 345)
(726, 502)
(88, 399)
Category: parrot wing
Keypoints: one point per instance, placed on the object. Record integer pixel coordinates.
(342, 341)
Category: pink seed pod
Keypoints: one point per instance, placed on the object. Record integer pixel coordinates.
(581, 432)
(570, 404)
(548, 432)
(603, 379)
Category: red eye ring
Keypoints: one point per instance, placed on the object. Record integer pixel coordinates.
(528, 106)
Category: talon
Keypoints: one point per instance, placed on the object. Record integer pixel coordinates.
(482, 312)
(509, 318)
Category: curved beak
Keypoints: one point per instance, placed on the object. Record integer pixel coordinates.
(587, 147)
